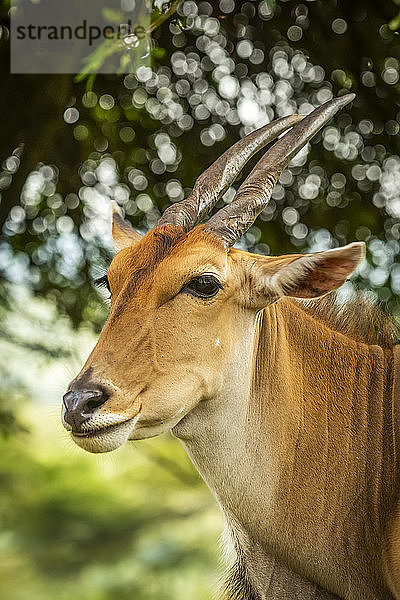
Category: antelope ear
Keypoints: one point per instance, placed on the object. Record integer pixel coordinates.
(123, 234)
(313, 275)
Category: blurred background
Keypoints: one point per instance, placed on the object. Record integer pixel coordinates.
(139, 523)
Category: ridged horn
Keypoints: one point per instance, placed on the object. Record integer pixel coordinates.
(218, 177)
(231, 221)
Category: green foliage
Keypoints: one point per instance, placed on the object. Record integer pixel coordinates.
(218, 70)
(72, 525)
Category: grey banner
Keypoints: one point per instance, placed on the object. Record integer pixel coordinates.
(79, 36)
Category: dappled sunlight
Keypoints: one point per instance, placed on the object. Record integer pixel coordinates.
(215, 78)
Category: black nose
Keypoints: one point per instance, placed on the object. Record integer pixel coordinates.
(80, 404)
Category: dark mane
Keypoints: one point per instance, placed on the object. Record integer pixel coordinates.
(360, 318)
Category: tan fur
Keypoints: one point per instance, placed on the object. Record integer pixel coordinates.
(291, 418)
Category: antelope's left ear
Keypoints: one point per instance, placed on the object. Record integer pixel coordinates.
(310, 275)
(123, 234)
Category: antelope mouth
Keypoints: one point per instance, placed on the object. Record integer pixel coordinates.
(105, 437)
(106, 430)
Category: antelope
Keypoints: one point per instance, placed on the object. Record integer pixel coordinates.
(286, 403)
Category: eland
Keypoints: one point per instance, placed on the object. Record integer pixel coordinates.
(287, 403)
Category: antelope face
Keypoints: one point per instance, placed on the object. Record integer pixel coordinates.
(178, 294)
(159, 353)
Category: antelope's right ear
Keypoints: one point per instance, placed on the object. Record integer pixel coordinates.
(123, 234)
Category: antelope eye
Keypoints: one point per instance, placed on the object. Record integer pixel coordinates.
(204, 286)
(102, 282)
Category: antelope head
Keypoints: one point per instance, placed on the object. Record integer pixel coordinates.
(184, 302)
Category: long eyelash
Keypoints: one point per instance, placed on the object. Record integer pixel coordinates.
(102, 282)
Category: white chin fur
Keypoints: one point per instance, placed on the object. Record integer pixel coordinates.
(108, 439)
